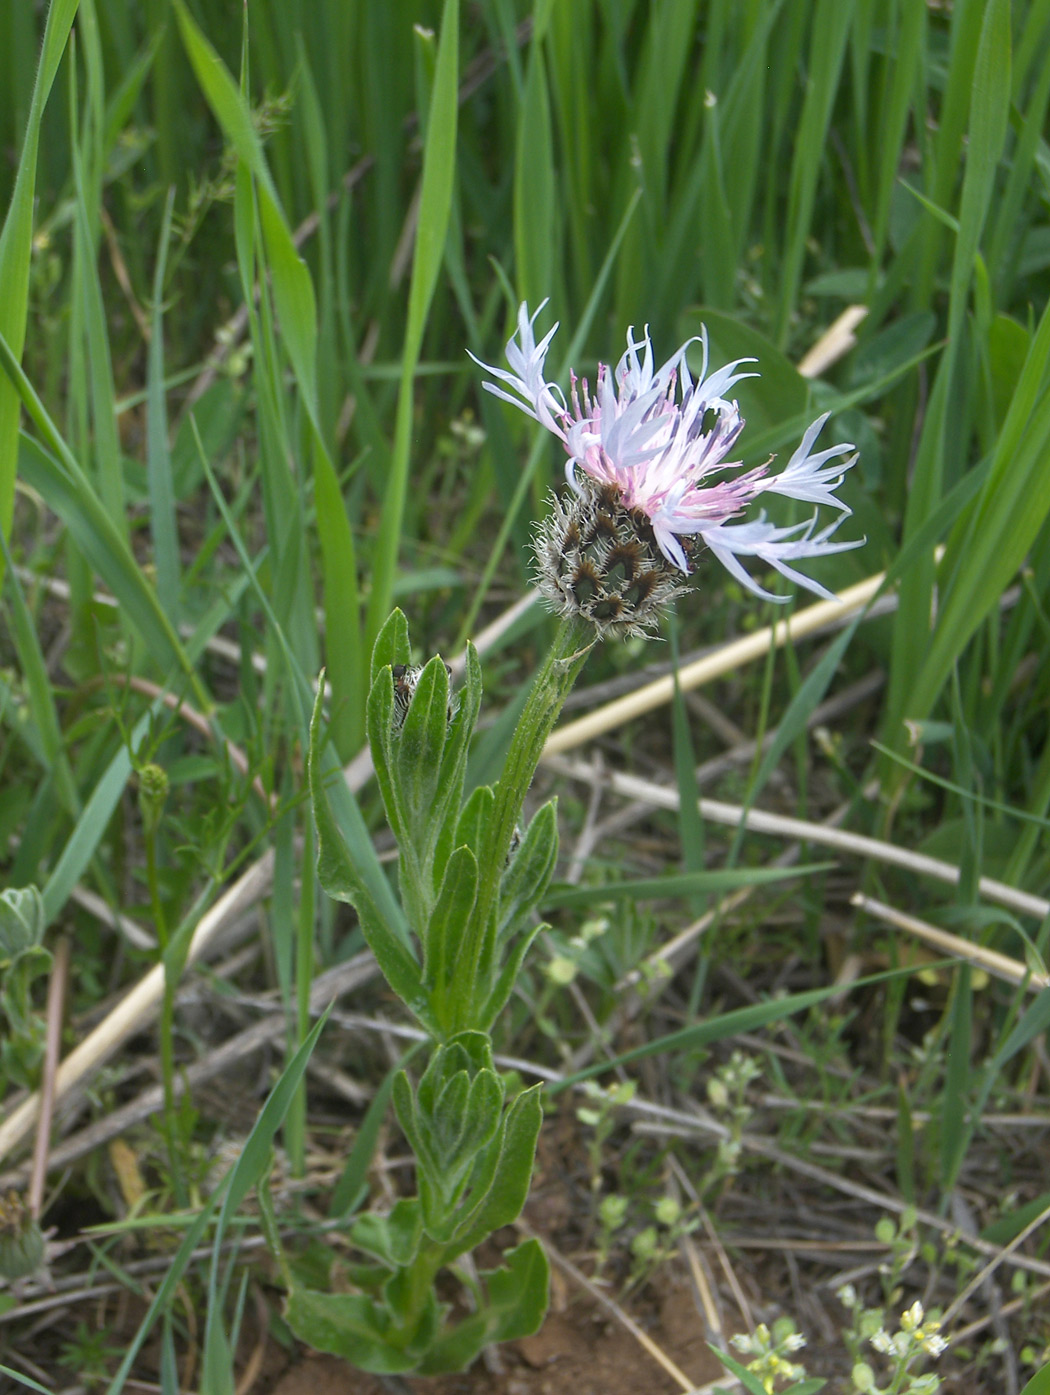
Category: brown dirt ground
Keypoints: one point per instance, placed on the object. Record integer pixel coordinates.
(579, 1349)
(786, 1240)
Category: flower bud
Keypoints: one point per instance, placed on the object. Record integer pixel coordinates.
(153, 794)
(598, 559)
(21, 1240)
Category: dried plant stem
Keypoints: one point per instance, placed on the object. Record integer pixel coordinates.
(140, 1004)
(782, 826)
(326, 988)
(834, 343)
(962, 1298)
(642, 1338)
(56, 997)
(137, 1007)
(994, 963)
(724, 660)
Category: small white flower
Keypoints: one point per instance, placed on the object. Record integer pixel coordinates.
(662, 440)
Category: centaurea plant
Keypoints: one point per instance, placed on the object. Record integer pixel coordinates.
(646, 460)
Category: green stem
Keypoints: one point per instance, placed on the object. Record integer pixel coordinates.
(573, 641)
(419, 1283)
(167, 1018)
(304, 977)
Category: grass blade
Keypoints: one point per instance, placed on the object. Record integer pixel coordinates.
(435, 201)
(16, 244)
(71, 496)
(729, 1024)
(297, 311)
(158, 458)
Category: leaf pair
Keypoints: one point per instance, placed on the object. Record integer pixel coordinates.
(419, 748)
(475, 1159)
(474, 1168)
(465, 897)
(513, 1300)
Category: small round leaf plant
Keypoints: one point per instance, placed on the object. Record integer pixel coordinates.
(649, 486)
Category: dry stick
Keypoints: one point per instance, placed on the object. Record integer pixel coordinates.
(877, 1113)
(836, 341)
(326, 988)
(56, 998)
(642, 1338)
(724, 660)
(828, 710)
(978, 1279)
(94, 904)
(782, 826)
(716, 1244)
(824, 615)
(678, 1123)
(64, 1293)
(191, 716)
(994, 963)
(140, 1004)
(673, 952)
(963, 1334)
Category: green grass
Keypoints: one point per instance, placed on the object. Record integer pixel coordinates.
(239, 273)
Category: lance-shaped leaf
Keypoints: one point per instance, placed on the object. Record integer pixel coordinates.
(392, 644)
(420, 760)
(530, 871)
(428, 764)
(22, 920)
(452, 1117)
(359, 880)
(474, 817)
(503, 1200)
(379, 724)
(454, 764)
(444, 935)
(518, 1294)
(394, 1238)
(423, 801)
(350, 1325)
(488, 1008)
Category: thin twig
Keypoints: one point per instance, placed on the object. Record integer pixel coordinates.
(834, 343)
(1015, 1305)
(328, 987)
(140, 1004)
(782, 826)
(626, 1322)
(726, 659)
(998, 965)
(984, 1274)
(56, 999)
